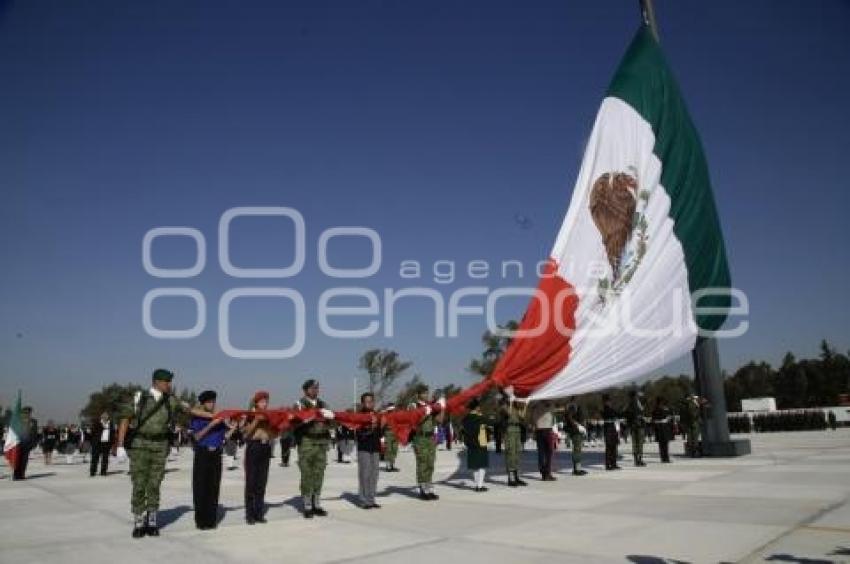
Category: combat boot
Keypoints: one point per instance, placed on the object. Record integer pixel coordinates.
(138, 526)
(151, 529)
(517, 479)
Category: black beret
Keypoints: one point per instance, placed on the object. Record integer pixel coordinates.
(206, 395)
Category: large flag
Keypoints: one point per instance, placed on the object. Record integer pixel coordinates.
(12, 445)
(641, 237)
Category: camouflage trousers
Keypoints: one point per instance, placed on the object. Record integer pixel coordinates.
(692, 440)
(391, 451)
(576, 441)
(312, 460)
(637, 434)
(426, 454)
(513, 448)
(147, 468)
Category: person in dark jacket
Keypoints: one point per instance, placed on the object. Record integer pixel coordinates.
(49, 440)
(103, 438)
(662, 419)
(368, 454)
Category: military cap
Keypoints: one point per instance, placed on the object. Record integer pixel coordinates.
(207, 395)
(163, 375)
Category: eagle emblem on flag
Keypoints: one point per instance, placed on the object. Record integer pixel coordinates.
(617, 206)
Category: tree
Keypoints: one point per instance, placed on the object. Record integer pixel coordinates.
(384, 368)
(495, 344)
(409, 392)
(109, 399)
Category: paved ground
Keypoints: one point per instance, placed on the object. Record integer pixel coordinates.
(787, 502)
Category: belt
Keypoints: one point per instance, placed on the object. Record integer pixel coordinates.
(665, 420)
(207, 448)
(259, 441)
(610, 421)
(517, 425)
(155, 437)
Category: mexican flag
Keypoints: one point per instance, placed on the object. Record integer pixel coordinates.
(639, 267)
(12, 446)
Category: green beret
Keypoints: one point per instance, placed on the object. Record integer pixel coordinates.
(163, 375)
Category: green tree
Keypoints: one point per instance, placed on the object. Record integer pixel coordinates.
(408, 392)
(110, 399)
(384, 367)
(495, 344)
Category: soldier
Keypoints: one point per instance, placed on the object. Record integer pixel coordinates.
(575, 428)
(152, 412)
(691, 418)
(513, 421)
(610, 424)
(312, 438)
(424, 447)
(390, 444)
(635, 421)
(661, 417)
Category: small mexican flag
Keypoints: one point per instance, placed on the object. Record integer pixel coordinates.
(12, 446)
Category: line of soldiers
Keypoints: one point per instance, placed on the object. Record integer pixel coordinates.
(146, 424)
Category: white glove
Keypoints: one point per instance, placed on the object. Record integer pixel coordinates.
(442, 402)
(427, 410)
(121, 454)
(582, 430)
(327, 413)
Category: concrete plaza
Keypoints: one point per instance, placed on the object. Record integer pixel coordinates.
(786, 502)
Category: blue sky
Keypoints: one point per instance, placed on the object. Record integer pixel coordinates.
(435, 123)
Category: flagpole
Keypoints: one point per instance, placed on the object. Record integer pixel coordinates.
(647, 13)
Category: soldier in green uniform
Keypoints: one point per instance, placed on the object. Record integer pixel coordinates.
(574, 424)
(424, 447)
(690, 417)
(313, 438)
(152, 414)
(513, 421)
(390, 444)
(635, 420)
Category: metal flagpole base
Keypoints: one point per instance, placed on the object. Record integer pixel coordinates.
(733, 447)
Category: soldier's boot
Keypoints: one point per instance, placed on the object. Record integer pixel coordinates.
(511, 482)
(308, 507)
(151, 529)
(423, 492)
(431, 495)
(517, 479)
(138, 526)
(317, 507)
(640, 461)
(577, 471)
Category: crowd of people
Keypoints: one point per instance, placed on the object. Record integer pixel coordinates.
(144, 432)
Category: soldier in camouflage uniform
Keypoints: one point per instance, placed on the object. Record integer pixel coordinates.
(152, 413)
(635, 420)
(690, 417)
(390, 444)
(574, 424)
(512, 421)
(424, 447)
(313, 438)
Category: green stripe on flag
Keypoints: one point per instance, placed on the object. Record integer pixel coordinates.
(644, 81)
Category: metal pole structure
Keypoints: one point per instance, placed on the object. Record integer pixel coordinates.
(647, 13)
